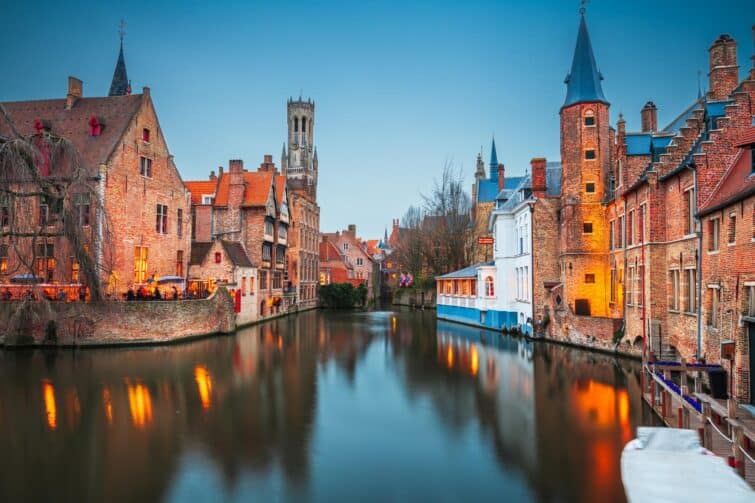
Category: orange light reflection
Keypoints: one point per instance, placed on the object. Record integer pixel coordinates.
(474, 360)
(204, 385)
(140, 404)
(51, 411)
(108, 405)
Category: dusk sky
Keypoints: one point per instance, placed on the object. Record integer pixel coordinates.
(400, 88)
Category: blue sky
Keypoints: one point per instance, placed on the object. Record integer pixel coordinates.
(400, 87)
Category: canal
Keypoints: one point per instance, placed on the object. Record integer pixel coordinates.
(322, 406)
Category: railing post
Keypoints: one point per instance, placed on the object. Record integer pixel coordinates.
(707, 439)
(737, 444)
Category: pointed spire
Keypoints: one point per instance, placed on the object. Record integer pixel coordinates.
(493, 162)
(385, 236)
(315, 155)
(120, 85)
(284, 160)
(583, 82)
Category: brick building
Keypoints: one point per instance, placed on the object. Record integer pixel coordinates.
(359, 263)
(300, 168)
(135, 215)
(250, 208)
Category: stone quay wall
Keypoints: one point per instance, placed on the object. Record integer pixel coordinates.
(114, 323)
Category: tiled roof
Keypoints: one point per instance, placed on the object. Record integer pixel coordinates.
(199, 252)
(583, 82)
(199, 188)
(237, 254)
(467, 272)
(280, 186)
(114, 113)
(256, 188)
(736, 184)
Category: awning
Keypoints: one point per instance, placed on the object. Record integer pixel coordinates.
(171, 279)
(27, 279)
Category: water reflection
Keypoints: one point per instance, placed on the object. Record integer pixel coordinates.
(324, 406)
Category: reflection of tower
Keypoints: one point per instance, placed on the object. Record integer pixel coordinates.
(301, 161)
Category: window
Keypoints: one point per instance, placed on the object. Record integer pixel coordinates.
(620, 233)
(145, 166)
(590, 278)
(590, 187)
(140, 264)
(3, 259)
(590, 154)
(589, 118)
(179, 263)
(489, 287)
(582, 307)
(180, 222)
(714, 229)
(587, 227)
(82, 208)
(263, 280)
(75, 272)
(345, 246)
(4, 211)
(280, 254)
(526, 282)
(276, 280)
(751, 302)
(714, 299)
(49, 207)
(45, 261)
(296, 124)
(360, 261)
(303, 124)
(630, 228)
(161, 220)
(619, 172)
(145, 135)
(641, 283)
(690, 290)
(207, 199)
(689, 211)
(630, 286)
(641, 224)
(243, 285)
(732, 229)
(611, 234)
(282, 231)
(218, 257)
(267, 252)
(269, 227)
(674, 284)
(613, 285)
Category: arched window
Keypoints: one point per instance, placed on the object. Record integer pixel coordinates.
(303, 124)
(589, 118)
(296, 124)
(489, 287)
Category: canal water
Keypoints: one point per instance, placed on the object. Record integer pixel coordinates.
(322, 406)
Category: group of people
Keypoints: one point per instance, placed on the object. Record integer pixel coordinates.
(142, 293)
(51, 294)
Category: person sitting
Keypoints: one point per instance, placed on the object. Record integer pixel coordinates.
(175, 293)
(157, 295)
(130, 294)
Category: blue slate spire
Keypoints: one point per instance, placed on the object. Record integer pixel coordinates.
(583, 82)
(120, 85)
(493, 163)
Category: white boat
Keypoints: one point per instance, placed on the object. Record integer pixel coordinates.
(669, 464)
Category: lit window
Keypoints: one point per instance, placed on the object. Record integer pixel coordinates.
(74, 272)
(140, 264)
(3, 259)
(243, 285)
(179, 263)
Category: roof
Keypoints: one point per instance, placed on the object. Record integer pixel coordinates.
(114, 113)
(199, 188)
(712, 108)
(737, 183)
(467, 272)
(647, 143)
(583, 82)
(256, 188)
(487, 190)
(198, 252)
(280, 187)
(553, 178)
(329, 252)
(514, 197)
(237, 254)
(120, 85)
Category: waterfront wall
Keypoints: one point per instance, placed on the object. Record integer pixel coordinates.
(113, 323)
(411, 297)
(494, 320)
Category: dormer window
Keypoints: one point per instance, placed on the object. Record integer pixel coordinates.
(218, 257)
(145, 135)
(589, 118)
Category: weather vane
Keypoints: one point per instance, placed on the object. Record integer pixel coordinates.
(122, 29)
(582, 3)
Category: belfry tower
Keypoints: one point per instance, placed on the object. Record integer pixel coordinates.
(301, 159)
(585, 161)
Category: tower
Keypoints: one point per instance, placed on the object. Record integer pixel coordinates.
(585, 161)
(301, 165)
(120, 86)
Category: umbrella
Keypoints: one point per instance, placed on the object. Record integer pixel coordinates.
(171, 279)
(27, 279)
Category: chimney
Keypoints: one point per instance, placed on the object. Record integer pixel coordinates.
(235, 166)
(75, 91)
(539, 185)
(220, 171)
(267, 164)
(723, 72)
(649, 116)
(212, 175)
(501, 174)
(353, 230)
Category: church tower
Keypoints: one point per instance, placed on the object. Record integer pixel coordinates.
(585, 161)
(120, 86)
(301, 160)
